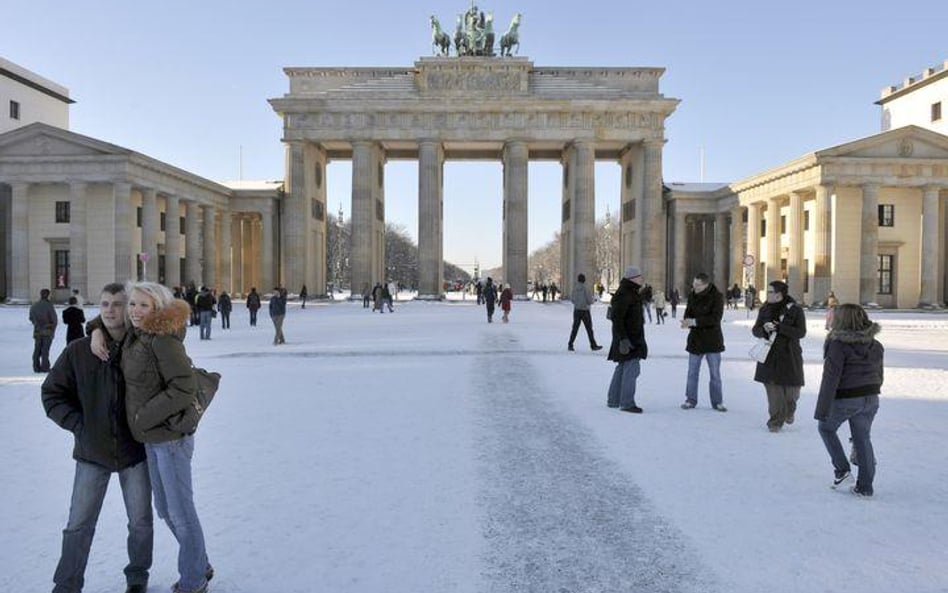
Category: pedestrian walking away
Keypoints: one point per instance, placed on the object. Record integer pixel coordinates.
(782, 321)
(673, 299)
(490, 298)
(277, 314)
(86, 396)
(224, 306)
(303, 294)
(849, 392)
(43, 318)
(204, 304)
(660, 303)
(74, 319)
(628, 346)
(582, 299)
(253, 305)
(702, 319)
(506, 300)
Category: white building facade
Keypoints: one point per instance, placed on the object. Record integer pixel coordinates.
(27, 97)
(921, 100)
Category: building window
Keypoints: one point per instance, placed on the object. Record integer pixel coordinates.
(763, 227)
(885, 273)
(806, 220)
(138, 217)
(783, 224)
(806, 275)
(936, 111)
(62, 211)
(61, 268)
(886, 214)
(14, 110)
(566, 210)
(628, 211)
(181, 226)
(161, 221)
(318, 210)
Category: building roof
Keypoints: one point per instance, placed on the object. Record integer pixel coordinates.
(34, 81)
(252, 185)
(913, 83)
(695, 187)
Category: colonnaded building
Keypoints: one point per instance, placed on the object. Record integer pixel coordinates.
(866, 219)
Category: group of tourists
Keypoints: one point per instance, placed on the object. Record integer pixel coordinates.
(852, 364)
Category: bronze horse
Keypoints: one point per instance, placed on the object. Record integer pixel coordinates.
(511, 37)
(439, 39)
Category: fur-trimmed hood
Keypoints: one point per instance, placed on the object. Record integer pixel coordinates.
(848, 336)
(172, 320)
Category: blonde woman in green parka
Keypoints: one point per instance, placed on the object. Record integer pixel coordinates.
(160, 396)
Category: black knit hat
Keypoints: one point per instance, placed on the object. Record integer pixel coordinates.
(780, 286)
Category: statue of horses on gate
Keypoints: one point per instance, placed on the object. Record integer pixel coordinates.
(511, 37)
(440, 41)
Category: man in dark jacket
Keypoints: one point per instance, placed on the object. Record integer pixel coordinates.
(628, 341)
(490, 298)
(43, 318)
(204, 304)
(253, 304)
(702, 319)
(86, 396)
(277, 313)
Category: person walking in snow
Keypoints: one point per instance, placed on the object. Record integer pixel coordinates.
(628, 347)
(303, 294)
(782, 321)
(253, 305)
(490, 298)
(582, 299)
(673, 299)
(702, 319)
(506, 300)
(660, 314)
(224, 307)
(277, 314)
(43, 318)
(849, 392)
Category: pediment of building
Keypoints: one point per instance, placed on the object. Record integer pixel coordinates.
(41, 140)
(910, 142)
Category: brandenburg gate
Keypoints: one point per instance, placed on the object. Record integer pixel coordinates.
(471, 108)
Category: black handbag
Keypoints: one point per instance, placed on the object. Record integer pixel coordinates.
(186, 421)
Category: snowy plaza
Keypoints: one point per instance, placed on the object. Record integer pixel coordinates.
(426, 451)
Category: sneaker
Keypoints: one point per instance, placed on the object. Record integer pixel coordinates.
(632, 410)
(860, 493)
(773, 428)
(208, 575)
(688, 405)
(790, 419)
(596, 347)
(720, 407)
(570, 347)
(839, 477)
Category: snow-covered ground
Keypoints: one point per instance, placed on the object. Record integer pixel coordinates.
(427, 451)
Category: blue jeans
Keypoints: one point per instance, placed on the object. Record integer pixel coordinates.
(205, 317)
(88, 492)
(170, 467)
(622, 387)
(860, 411)
(694, 369)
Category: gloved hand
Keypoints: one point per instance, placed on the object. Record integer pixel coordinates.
(625, 346)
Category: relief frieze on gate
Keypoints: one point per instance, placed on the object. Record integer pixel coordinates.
(515, 120)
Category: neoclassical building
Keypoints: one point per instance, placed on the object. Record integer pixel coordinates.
(502, 109)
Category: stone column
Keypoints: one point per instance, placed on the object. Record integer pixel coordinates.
(150, 225)
(268, 264)
(226, 253)
(583, 213)
(773, 240)
(193, 254)
(172, 241)
(566, 222)
(316, 263)
(869, 248)
(363, 216)
(124, 268)
(631, 189)
(516, 162)
(209, 247)
(238, 281)
(680, 230)
(822, 247)
(795, 270)
(753, 242)
(295, 224)
(20, 243)
(720, 250)
(78, 240)
(430, 220)
(737, 247)
(928, 296)
(653, 217)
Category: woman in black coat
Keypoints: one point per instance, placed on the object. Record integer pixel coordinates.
(74, 319)
(783, 321)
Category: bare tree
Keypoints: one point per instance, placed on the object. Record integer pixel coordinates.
(607, 250)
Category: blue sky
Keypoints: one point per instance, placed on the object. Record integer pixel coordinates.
(760, 83)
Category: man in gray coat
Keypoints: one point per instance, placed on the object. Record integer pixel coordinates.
(43, 318)
(582, 297)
